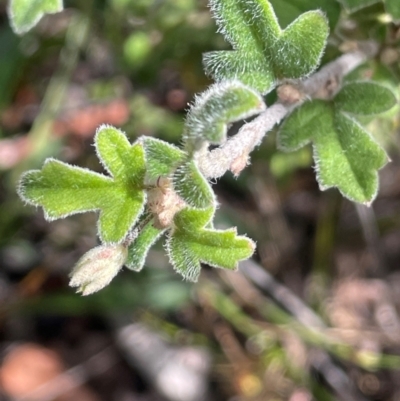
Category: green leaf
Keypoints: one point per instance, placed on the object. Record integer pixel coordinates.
(139, 248)
(63, 190)
(264, 53)
(220, 105)
(346, 156)
(365, 157)
(364, 98)
(25, 14)
(192, 186)
(190, 219)
(298, 128)
(300, 46)
(190, 244)
(162, 158)
(122, 160)
(393, 8)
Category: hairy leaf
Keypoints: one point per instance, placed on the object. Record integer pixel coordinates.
(192, 186)
(364, 98)
(162, 158)
(190, 244)
(220, 105)
(346, 156)
(139, 248)
(264, 53)
(25, 14)
(63, 190)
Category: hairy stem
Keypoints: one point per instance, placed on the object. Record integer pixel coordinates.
(322, 84)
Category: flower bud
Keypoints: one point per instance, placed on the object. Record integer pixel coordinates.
(96, 268)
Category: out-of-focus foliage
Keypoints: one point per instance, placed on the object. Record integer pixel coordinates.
(392, 6)
(25, 14)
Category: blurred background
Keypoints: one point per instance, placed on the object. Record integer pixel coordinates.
(314, 315)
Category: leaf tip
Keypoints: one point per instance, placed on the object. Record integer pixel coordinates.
(27, 178)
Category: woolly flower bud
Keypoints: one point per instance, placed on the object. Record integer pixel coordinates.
(96, 268)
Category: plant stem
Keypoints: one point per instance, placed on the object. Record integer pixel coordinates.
(215, 163)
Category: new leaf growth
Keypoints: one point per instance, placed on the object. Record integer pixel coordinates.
(263, 54)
